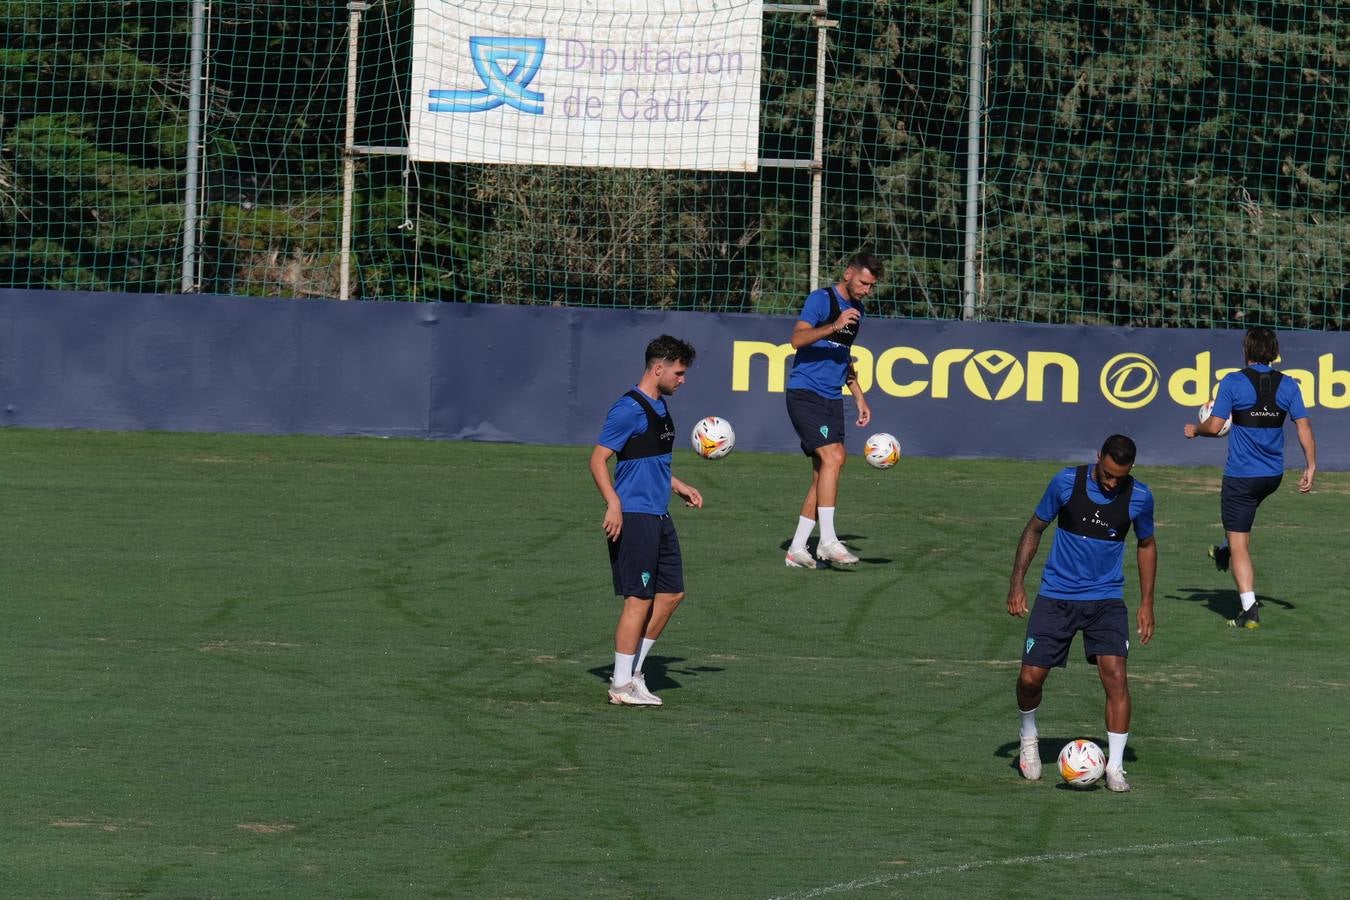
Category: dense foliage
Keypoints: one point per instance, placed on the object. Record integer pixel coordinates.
(1146, 162)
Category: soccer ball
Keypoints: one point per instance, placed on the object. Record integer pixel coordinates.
(1081, 763)
(882, 450)
(713, 437)
(1204, 416)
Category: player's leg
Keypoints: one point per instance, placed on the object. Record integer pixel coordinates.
(662, 608)
(809, 503)
(829, 462)
(1240, 562)
(628, 633)
(1106, 644)
(668, 581)
(1239, 500)
(1030, 689)
(1049, 630)
(831, 459)
(1030, 686)
(1111, 670)
(804, 409)
(634, 555)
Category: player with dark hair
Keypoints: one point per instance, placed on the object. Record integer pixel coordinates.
(823, 366)
(644, 550)
(1082, 590)
(1259, 399)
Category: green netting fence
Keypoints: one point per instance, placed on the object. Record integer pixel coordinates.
(1139, 162)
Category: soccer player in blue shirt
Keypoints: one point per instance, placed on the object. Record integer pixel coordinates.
(823, 366)
(1258, 399)
(644, 550)
(1082, 589)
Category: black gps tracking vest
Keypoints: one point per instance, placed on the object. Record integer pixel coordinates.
(1082, 515)
(845, 336)
(657, 440)
(1266, 413)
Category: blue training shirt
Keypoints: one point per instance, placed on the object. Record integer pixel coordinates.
(643, 485)
(1255, 452)
(822, 366)
(1084, 568)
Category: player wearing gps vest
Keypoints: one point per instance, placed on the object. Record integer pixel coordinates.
(823, 335)
(644, 550)
(1259, 399)
(1082, 590)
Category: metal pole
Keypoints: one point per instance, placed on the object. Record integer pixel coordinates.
(354, 9)
(818, 146)
(975, 91)
(196, 56)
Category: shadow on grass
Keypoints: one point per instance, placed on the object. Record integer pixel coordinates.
(1050, 747)
(846, 538)
(660, 672)
(1223, 602)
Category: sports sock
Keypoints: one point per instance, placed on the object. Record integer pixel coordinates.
(1116, 749)
(642, 654)
(1028, 722)
(827, 535)
(623, 669)
(804, 528)
(1248, 599)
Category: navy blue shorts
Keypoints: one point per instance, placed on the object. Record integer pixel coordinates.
(818, 421)
(646, 559)
(1239, 498)
(1053, 623)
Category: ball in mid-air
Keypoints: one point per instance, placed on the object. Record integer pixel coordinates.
(1081, 763)
(713, 437)
(1204, 417)
(881, 450)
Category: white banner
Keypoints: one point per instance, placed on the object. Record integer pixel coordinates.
(653, 84)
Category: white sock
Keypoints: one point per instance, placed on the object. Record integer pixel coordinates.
(827, 535)
(642, 654)
(1248, 599)
(623, 669)
(804, 528)
(1116, 752)
(1028, 722)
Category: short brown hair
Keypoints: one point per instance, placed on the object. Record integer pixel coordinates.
(866, 261)
(670, 348)
(1260, 346)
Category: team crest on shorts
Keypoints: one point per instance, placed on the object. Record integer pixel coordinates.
(1031, 642)
(646, 577)
(824, 431)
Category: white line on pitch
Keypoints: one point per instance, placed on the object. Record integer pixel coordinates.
(857, 884)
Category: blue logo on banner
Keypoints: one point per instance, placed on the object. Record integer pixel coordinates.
(506, 65)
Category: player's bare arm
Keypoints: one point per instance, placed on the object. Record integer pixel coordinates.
(1027, 546)
(1208, 428)
(613, 520)
(804, 334)
(859, 398)
(687, 493)
(1309, 445)
(1148, 571)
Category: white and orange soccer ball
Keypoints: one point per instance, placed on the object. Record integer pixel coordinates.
(1204, 417)
(1081, 763)
(881, 450)
(713, 437)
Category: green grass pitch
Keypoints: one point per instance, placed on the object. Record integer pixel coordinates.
(301, 667)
